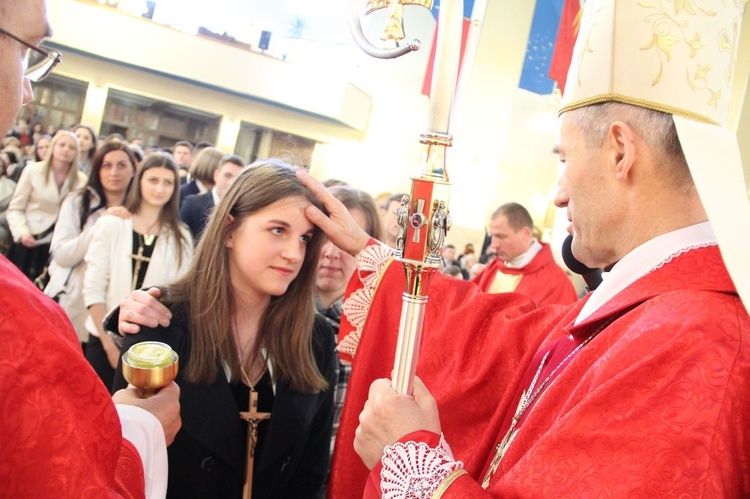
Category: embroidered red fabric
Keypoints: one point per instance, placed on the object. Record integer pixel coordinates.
(61, 434)
(655, 405)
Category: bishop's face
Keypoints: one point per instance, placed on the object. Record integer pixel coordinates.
(26, 19)
(586, 189)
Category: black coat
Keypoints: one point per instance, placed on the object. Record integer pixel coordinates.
(195, 210)
(207, 458)
(188, 189)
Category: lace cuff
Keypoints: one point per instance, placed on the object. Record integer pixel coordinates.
(371, 263)
(414, 470)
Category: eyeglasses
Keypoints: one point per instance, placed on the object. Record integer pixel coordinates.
(39, 61)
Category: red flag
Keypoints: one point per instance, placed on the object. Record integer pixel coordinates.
(570, 21)
(428, 73)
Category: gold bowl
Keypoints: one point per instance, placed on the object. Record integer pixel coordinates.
(150, 366)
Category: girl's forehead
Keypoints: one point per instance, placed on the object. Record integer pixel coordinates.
(289, 203)
(159, 171)
(290, 209)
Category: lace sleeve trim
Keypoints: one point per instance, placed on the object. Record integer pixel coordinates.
(413, 470)
(371, 263)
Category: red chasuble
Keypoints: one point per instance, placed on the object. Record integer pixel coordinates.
(61, 434)
(657, 404)
(541, 279)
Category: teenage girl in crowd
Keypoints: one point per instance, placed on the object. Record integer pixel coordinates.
(244, 321)
(87, 143)
(33, 210)
(150, 248)
(112, 170)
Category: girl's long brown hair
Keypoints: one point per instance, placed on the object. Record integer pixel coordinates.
(169, 216)
(286, 325)
(95, 182)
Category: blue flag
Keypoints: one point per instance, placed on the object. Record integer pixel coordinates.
(540, 47)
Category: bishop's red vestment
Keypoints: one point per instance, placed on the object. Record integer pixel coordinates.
(541, 279)
(60, 434)
(657, 404)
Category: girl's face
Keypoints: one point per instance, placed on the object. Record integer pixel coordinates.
(116, 172)
(267, 250)
(85, 139)
(65, 150)
(157, 186)
(41, 148)
(336, 266)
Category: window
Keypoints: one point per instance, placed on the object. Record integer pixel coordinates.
(58, 102)
(156, 122)
(255, 142)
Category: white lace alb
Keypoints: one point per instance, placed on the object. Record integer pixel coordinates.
(413, 470)
(371, 262)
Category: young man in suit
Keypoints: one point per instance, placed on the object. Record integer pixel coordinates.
(196, 208)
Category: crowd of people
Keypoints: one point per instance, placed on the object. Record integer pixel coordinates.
(253, 274)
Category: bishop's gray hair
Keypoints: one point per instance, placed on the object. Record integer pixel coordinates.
(656, 128)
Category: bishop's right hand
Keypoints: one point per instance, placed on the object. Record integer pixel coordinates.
(389, 416)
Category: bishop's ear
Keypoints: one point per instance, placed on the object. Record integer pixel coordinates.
(621, 154)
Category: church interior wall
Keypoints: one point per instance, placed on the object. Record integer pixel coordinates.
(366, 117)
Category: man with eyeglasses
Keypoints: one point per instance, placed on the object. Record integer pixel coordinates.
(62, 436)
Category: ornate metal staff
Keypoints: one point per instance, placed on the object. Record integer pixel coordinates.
(424, 218)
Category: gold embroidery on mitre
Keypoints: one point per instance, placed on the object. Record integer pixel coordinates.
(699, 82)
(585, 31)
(727, 45)
(685, 47)
(625, 99)
(695, 44)
(667, 30)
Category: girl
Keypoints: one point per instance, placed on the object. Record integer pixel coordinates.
(87, 141)
(244, 325)
(150, 248)
(33, 210)
(111, 173)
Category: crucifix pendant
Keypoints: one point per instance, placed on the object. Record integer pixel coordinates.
(500, 450)
(253, 418)
(139, 259)
(502, 447)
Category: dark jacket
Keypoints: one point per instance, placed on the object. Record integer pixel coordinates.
(207, 458)
(195, 210)
(188, 189)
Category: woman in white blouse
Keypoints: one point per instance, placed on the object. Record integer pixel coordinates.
(112, 170)
(32, 212)
(150, 248)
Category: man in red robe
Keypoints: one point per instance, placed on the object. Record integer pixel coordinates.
(640, 389)
(523, 264)
(62, 435)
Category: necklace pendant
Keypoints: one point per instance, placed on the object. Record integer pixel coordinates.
(500, 451)
(148, 239)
